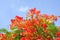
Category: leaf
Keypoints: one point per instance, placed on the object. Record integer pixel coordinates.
(14, 28)
(3, 30)
(52, 28)
(8, 34)
(51, 35)
(39, 30)
(17, 37)
(18, 31)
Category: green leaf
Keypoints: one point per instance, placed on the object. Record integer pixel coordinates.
(18, 31)
(14, 28)
(8, 34)
(39, 30)
(17, 37)
(3, 30)
(52, 28)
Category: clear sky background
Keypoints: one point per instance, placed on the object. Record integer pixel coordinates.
(10, 8)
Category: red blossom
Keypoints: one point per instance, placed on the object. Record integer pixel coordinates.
(18, 18)
(40, 38)
(58, 33)
(37, 13)
(33, 10)
(2, 37)
(44, 25)
(24, 38)
(57, 38)
(48, 38)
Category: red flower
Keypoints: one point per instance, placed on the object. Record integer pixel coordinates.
(58, 34)
(2, 37)
(12, 20)
(36, 22)
(48, 38)
(33, 10)
(24, 38)
(39, 38)
(31, 30)
(18, 18)
(37, 13)
(44, 25)
(46, 31)
(57, 39)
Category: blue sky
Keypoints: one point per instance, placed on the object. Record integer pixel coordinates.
(10, 8)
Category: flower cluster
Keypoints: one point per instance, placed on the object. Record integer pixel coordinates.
(36, 26)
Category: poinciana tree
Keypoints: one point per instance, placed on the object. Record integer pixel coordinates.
(36, 26)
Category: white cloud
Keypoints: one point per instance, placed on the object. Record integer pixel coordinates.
(23, 9)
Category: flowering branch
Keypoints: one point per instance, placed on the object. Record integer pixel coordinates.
(36, 26)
